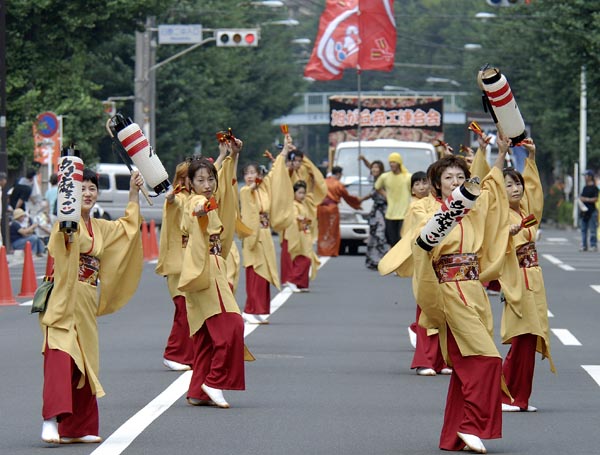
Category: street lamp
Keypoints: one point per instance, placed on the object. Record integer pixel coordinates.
(286, 22)
(267, 3)
(483, 15)
(472, 47)
(441, 80)
(301, 41)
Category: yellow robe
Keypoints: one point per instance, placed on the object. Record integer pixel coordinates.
(299, 239)
(170, 254)
(272, 196)
(316, 189)
(529, 314)
(204, 276)
(69, 322)
(483, 231)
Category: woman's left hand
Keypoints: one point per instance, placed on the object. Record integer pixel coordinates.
(514, 229)
(135, 183)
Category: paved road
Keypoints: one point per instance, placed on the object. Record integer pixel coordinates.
(332, 373)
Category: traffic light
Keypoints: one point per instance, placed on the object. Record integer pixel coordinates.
(237, 37)
(506, 2)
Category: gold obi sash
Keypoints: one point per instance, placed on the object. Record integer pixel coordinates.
(214, 245)
(89, 267)
(304, 225)
(264, 220)
(457, 267)
(527, 255)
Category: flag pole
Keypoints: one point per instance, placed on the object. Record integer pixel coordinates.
(358, 132)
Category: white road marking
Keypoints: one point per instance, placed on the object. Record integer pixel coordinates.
(117, 442)
(558, 262)
(550, 315)
(557, 239)
(593, 371)
(596, 287)
(566, 337)
(552, 259)
(27, 303)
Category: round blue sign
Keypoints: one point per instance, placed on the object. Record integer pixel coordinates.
(47, 124)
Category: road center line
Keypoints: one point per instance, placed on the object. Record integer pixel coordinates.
(593, 371)
(566, 337)
(117, 442)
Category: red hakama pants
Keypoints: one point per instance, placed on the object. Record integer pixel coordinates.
(258, 293)
(219, 355)
(300, 274)
(473, 405)
(286, 262)
(329, 240)
(518, 369)
(428, 353)
(76, 409)
(180, 347)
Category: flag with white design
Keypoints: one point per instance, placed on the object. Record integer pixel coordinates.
(353, 34)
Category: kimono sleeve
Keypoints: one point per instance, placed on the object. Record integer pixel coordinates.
(250, 215)
(61, 304)
(533, 200)
(227, 200)
(195, 271)
(122, 260)
(281, 195)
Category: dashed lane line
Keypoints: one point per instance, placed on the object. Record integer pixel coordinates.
(566, 337)
(117, 442)
(558, 262)
(593, 371)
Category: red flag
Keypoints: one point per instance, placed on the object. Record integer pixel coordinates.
(347, 39)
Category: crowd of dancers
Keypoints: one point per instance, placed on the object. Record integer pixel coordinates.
(206, 208)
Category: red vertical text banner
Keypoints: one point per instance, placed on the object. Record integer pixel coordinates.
(353, 34)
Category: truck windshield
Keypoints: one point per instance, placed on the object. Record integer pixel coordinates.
(414, 158)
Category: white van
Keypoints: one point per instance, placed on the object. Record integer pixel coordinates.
(416, 156)
(113, 193)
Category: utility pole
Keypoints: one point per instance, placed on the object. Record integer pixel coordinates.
(3, 150)
(142, 113)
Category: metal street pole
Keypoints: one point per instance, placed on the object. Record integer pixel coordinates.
(142, 86)
(583, 126)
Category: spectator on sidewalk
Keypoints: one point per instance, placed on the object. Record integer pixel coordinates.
(588, 212)
(21, 232)
(21, 191)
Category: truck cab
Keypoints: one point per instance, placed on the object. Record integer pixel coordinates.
(354, 227)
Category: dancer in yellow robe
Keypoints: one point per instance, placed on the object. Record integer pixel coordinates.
(100, 251)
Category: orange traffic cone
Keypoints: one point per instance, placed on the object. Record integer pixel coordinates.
(6, 293)
(152, 240)
(145, 241)
(28, 280)
(50, 266)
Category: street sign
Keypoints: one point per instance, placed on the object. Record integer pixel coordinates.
(179, 34)
(47, 124)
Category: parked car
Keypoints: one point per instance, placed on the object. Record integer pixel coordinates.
(354, 227)
(113, 195)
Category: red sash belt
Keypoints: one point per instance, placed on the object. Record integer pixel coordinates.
(214, 245)
(527, 255)
(89, 266)
(457, 267)
(264, 220)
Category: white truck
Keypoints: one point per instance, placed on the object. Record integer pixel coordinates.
(354, 227)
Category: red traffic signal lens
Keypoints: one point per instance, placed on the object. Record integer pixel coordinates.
(250, 38)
